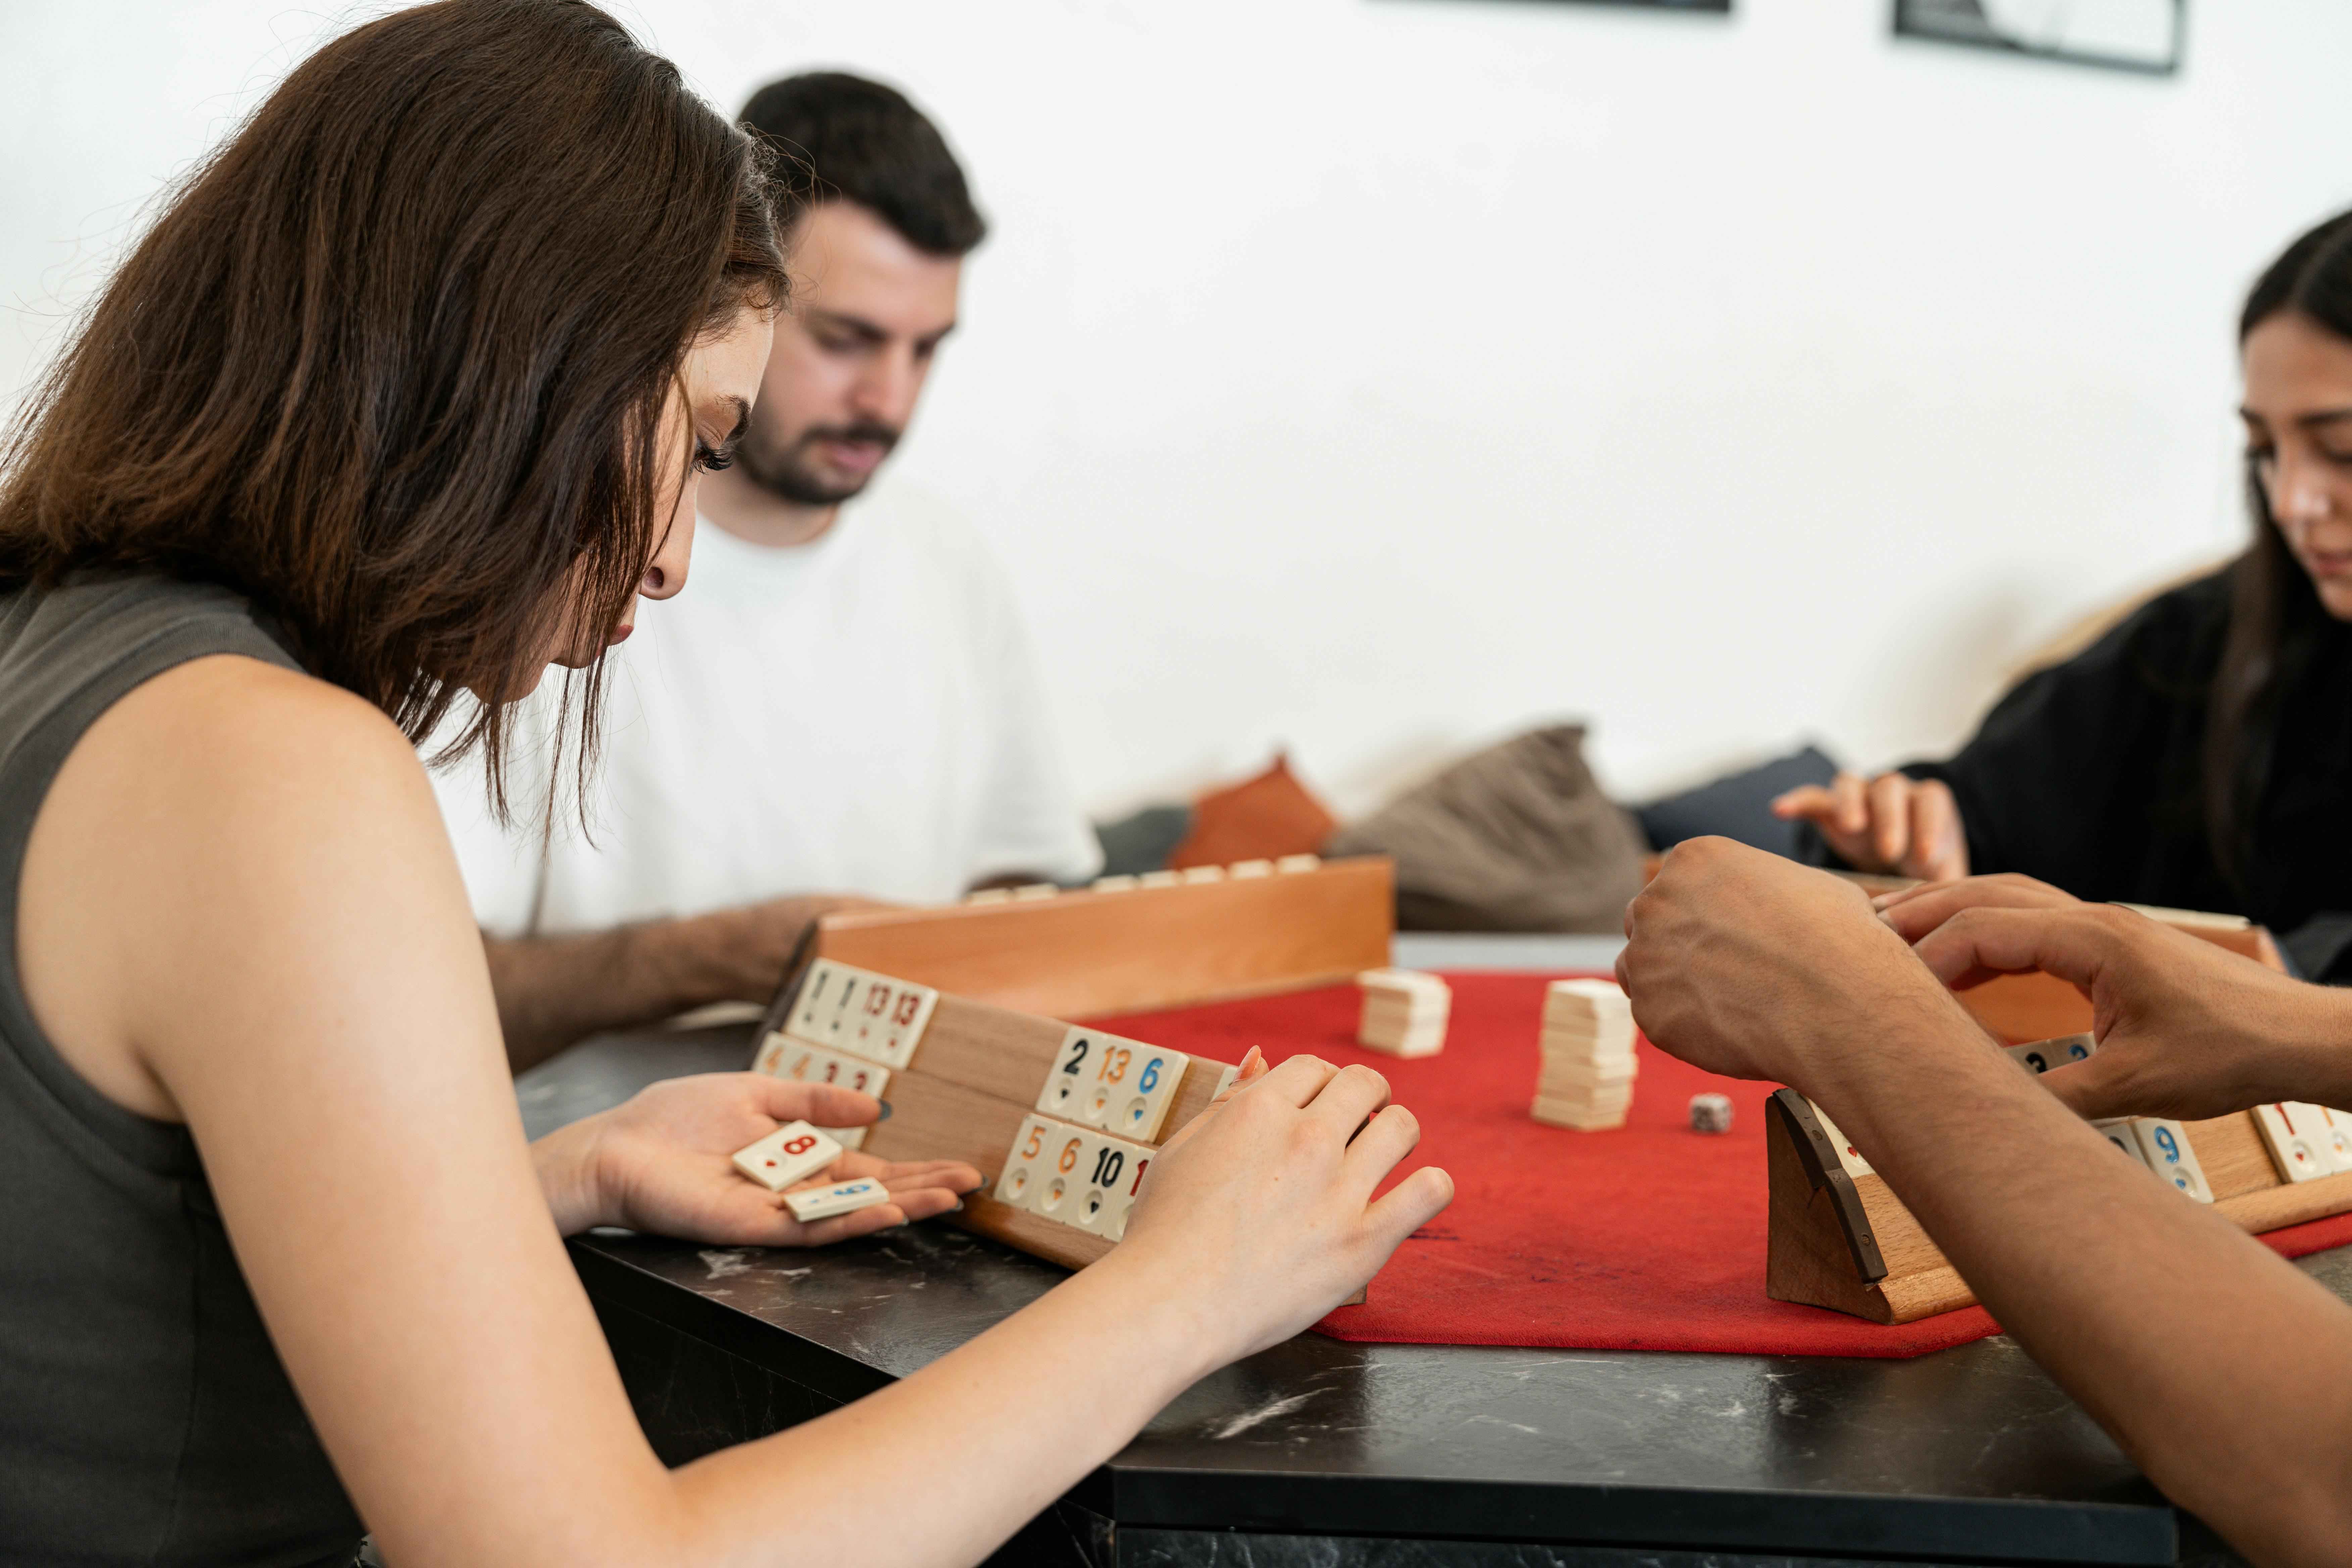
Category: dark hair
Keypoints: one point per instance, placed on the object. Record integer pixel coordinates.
(862, 141)
(2276, 620)
(393, 362)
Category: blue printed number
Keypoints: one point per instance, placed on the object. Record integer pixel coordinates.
(1150, 1078)
(2163, 1140)
(2078, 1050)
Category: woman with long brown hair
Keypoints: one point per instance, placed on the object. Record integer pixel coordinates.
(404, 398)
(2198, 756)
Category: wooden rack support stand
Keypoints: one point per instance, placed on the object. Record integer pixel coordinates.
(1847, 1243)
(1088, 953)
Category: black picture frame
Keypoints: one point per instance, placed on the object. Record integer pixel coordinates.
(1977, 23)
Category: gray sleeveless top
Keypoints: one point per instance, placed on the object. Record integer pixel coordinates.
(143, 1415)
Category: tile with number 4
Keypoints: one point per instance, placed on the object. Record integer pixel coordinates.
(842, 1198)
(2164, 1145)
(792, 1153)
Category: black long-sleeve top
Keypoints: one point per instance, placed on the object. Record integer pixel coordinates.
(2088, 775)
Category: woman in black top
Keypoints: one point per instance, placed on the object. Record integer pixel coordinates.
(405, 396)
(2198, 756)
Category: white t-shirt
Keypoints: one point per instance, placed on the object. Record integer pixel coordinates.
(858, 715)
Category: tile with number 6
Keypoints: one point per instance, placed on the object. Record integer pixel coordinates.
(1060, 1192)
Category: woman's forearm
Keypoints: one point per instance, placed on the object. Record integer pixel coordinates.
(957, 1455)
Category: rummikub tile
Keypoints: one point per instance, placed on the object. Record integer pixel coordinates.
(1029, 891)
(2297, 1141)
(1586, 1080)
(1404, 1012)
(792, 1153)
(1242, 869)
(1848, 1155)
(1103, 1182)
(884, 1018)
(2164, 1147)
(1203, 874)
(1135, 1103)
(819, 1001)
(1063, 1091)
(1225, 1080)
(2118, 1132)
(1069, 1158)
(1025, 1162)
(1158, 879)
(1289, 863)
(1116, 884)
(2038, 1057)
(2339, 1135)
(989, 896)
(842, 1198)
(772, 1050)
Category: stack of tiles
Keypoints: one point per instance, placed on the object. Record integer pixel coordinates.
(1587, 1081)
(1404, 1012)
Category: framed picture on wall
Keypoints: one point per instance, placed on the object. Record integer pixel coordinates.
(2127, 35)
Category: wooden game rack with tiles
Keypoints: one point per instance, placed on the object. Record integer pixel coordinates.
(1207, 935)
(973, 1081)
(1842, 1239)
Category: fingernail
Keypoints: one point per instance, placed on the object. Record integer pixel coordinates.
(885, 1111)
(956, 1208)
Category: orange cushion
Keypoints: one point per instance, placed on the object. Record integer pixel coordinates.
(1258, 819)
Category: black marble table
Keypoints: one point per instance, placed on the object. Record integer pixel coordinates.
(1323, 1453)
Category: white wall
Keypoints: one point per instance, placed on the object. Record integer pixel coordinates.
(1381, 375)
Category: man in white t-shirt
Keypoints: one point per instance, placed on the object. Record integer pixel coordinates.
(842, 704)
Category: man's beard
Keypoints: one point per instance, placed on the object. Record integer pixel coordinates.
(789, 474)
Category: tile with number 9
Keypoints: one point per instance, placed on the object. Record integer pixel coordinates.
(2164, 1145)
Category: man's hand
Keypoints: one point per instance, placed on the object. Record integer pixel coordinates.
(1742, 963)
(740, 954)
(1916, 912)
(2185, 1028)
(662, 1163)
(553, 991)
(1893, 823)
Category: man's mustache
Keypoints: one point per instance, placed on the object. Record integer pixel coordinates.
(863, 433)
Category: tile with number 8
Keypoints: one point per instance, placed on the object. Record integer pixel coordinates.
(792, 1153)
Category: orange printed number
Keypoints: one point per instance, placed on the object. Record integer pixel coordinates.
(1036, 1141)
(1069, 1160)
(1114, 1063)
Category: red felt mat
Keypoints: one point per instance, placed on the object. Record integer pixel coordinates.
(1648, 1237)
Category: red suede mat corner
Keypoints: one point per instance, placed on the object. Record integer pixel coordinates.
(1649, 1238)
